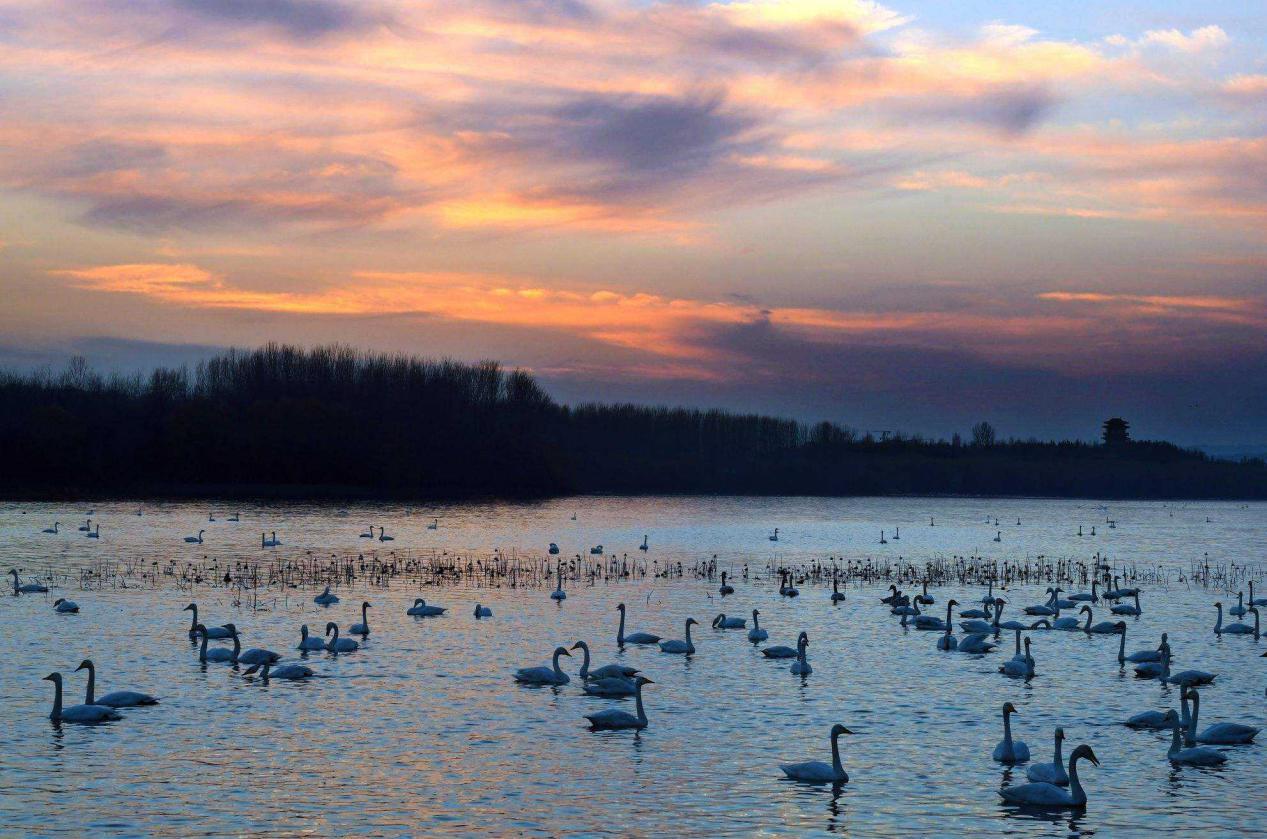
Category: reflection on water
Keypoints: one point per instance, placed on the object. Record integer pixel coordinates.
(424, 731)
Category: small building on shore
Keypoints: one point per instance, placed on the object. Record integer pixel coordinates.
(1117, 432)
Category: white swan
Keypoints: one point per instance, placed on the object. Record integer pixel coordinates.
(612, 686)
(1189, 678)
(633, 637)
(290, 672)
(218, 653)
(1155, 669)
(66, 607)
(435, 525)
(1253, 601)
(552, 675)
(420, 609)
(1022, 667)
(1219, 734)
(1239, 609)
(620, 671)
(1233, 628)
(1054, 772)
(785, 585)
(836, 594)
(982, 623)
(783, 652)
(644, 546)
(86, 526)
(362, 628)
(817, 772)
(1101, 628)
(383, 537)
(1009, 750)
(211, 631)
(117, 699)
(756, 635)
(559, 593)
(616, 719)
(948, 642)
(195, 539)
(725, 588)
(308, 642)
(1050, 796)
(326, 598)
(77, 713)
(1140, 656)
(801, 666)
(369, 534)
(54, 529)
(1195, 756)
(723, 622)
(1087, 596)
(1156, 720)
(337, 644)
(679, 647)
(26, 588)
(256, 655)
(1126, 609)
(482, 612)
(976, 642)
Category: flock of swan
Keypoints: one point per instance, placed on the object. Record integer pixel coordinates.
(1054, 784)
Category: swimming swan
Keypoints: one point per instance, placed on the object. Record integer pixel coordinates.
(219, 653)
(620, 671)
(1009, 750)
(482, 612)
(1195, 756)
(290, 672)
(1221, 733)
(362, 628)
(723, 622)
(337, 644)
(1050, 796)
(725, 588)
(801, 666)
(552, 675)
(756, 635)
(308, 642)
(679, 647)
(1054, 772)
(326, 598)
(117, 699)
(66, 607)
(614, 719)
(633, 637)
(195, 539)
(212, 631)
(77, 713)
(783, 652)
(817, 772)
(26, 588)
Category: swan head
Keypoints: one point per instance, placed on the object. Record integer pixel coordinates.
(419, 601)
(86, 664)
(59, 601)
(999, 601)
(952, 603)
(562, 651)
(580, 645)
(1086, 609)
(1218, 605)
(692, 621)
(755, 612)
(803, 638)
(331, 627)
(1009, 708)
(192, 607)
(1060, 732)
(367, 605)
(233, 630)
(838, 729)
(1120, 626)
(1085, 751)
(55, 678)
(620, 607)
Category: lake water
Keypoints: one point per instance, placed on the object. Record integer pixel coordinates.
(423, 731)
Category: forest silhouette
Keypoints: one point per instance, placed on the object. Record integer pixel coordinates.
(282, 421)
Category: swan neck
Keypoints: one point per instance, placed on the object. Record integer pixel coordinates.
(92, 685)
(642, 714)
(237, 647)
(202, 651)
(620, 632)
(1218, 624)
(1075, 786)
(1121, 649)
(558, 671)
(57, 700)
(193, 622)
(1007, 731)
(835, 754)
(585, 663)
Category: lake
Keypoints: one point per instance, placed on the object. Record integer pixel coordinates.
(424, 731)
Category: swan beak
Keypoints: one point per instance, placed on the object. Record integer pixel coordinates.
(566, 653)
(577, 645)
(51, 677)
(84, 665)
(648, 681)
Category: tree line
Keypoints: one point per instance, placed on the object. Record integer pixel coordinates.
(291, 422)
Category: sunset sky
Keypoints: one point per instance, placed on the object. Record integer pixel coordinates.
(903, 216)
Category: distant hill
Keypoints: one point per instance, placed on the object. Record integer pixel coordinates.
(333, 421)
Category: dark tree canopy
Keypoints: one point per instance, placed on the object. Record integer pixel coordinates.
(333, 421)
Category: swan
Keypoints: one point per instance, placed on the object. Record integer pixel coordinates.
(362, 628)
(784, 652)
(1054, 772)
(195, 540)
(545, 675)
(1231, 628)
(644, 546)
(723, 622)
(924, 597)
(1219, 734)
(77, 713)
(988, 599)
(554, 549)
(308, 642)
(725, 589)
(1156, 720)
(756, 635)
(337, 644)
(948, 642)
(326, 598)
(369, 534)
(211, 632)
(612, 687)
(66, 607)
(1087, 596)
(836, 594)
(976, 642)
(86, 526)
(1127, 609)
(633, 637)
(785, 587)
(257, 655)
(597, 550)
(420, 609)
(1044, 609)
(117, 699)
(1155, 669)
(774, 537)
(1066, 624)
(620, 671)
(930, 622)
(482, 612)
(219, 653)
(1011, 750)
(1045, 795)
(981, 624)
(95, 534)
(559, 593)
(1189, 678)
(1195, 756)
(1014, 624)
(290, 672)
(616, 719)
(677, 647)
(1261, 601)
(1239, 609)
(1022, 667)
(1101, 628)
(1142, 656)
(1058, 603)
(54, 529)
(383, 537)
(801, 666)
(891, 600)
(435, 525)
(235, 517)
(26, 588)
(817, 772)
